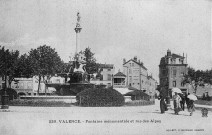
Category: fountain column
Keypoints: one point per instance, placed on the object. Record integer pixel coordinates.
(77, 30)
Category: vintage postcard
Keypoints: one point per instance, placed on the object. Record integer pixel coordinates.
(105, 67)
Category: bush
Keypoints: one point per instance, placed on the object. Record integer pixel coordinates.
(100, 97)
(138, 95)
(10, 92)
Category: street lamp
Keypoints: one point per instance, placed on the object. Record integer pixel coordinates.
(5, 97)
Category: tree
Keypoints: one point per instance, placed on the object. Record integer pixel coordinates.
(24, 68)
(45, 62)
(197, 78)
(8, 64)
(91, 66)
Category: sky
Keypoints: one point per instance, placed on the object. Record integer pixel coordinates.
(113, 29)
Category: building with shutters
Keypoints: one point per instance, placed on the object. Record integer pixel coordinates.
(104, 75)
(172, 69)
(137, 76)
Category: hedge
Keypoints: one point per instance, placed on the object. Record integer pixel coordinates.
(100, 97)
(38, 103)
(138, 95)
(10, 92)
(139, 103)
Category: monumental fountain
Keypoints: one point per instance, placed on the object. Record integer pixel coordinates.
(77, 79)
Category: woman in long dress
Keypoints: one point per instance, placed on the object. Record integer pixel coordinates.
(182, 102)
(191, 107)
(163, 106)
(176, 99)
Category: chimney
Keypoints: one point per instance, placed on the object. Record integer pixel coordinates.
(168, 53)
(139, 61)
(124, 60)
(135, 58)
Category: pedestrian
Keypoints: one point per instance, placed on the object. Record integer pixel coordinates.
(182, 102)
(163, 106)
(176, 99)
(187, 99)
(191, 107)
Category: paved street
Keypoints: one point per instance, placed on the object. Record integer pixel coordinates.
(101, 120)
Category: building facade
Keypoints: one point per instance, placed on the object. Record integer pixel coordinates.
(1, 81)
(29, 86)
(105, 75)
(172, 69)
(119, 80)
(137, 76)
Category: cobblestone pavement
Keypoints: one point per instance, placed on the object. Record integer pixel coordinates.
(101, 120)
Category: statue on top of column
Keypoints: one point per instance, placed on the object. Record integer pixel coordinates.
(78, 20)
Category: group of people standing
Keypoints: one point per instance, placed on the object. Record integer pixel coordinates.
(179, 101)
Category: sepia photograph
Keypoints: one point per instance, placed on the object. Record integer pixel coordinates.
(105, 67)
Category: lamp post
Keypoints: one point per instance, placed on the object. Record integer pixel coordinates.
(5, 97)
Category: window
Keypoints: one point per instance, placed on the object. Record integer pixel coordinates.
(109, 69)
(57, 80)
(138, 83)
(130, 71)
(29, 85)
(130, 78)
(163, 72)
(174, 71)
(174, 83)
(16, 86)
(182, 84)
(109, 77)
(22, 85)
(174, 61)
(132, 64)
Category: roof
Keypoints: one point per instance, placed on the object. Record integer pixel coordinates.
(106, 65)
(120, 74)
(176, 56)
(140, 64)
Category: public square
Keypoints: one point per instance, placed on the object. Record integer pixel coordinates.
(56, 57)
(19, 120)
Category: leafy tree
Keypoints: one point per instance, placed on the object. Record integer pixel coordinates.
(91, 66)
(24, 68)
(45, 62)
(8, 64)
(198, 78)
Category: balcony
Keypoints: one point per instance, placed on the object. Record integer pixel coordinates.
(119, 85)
